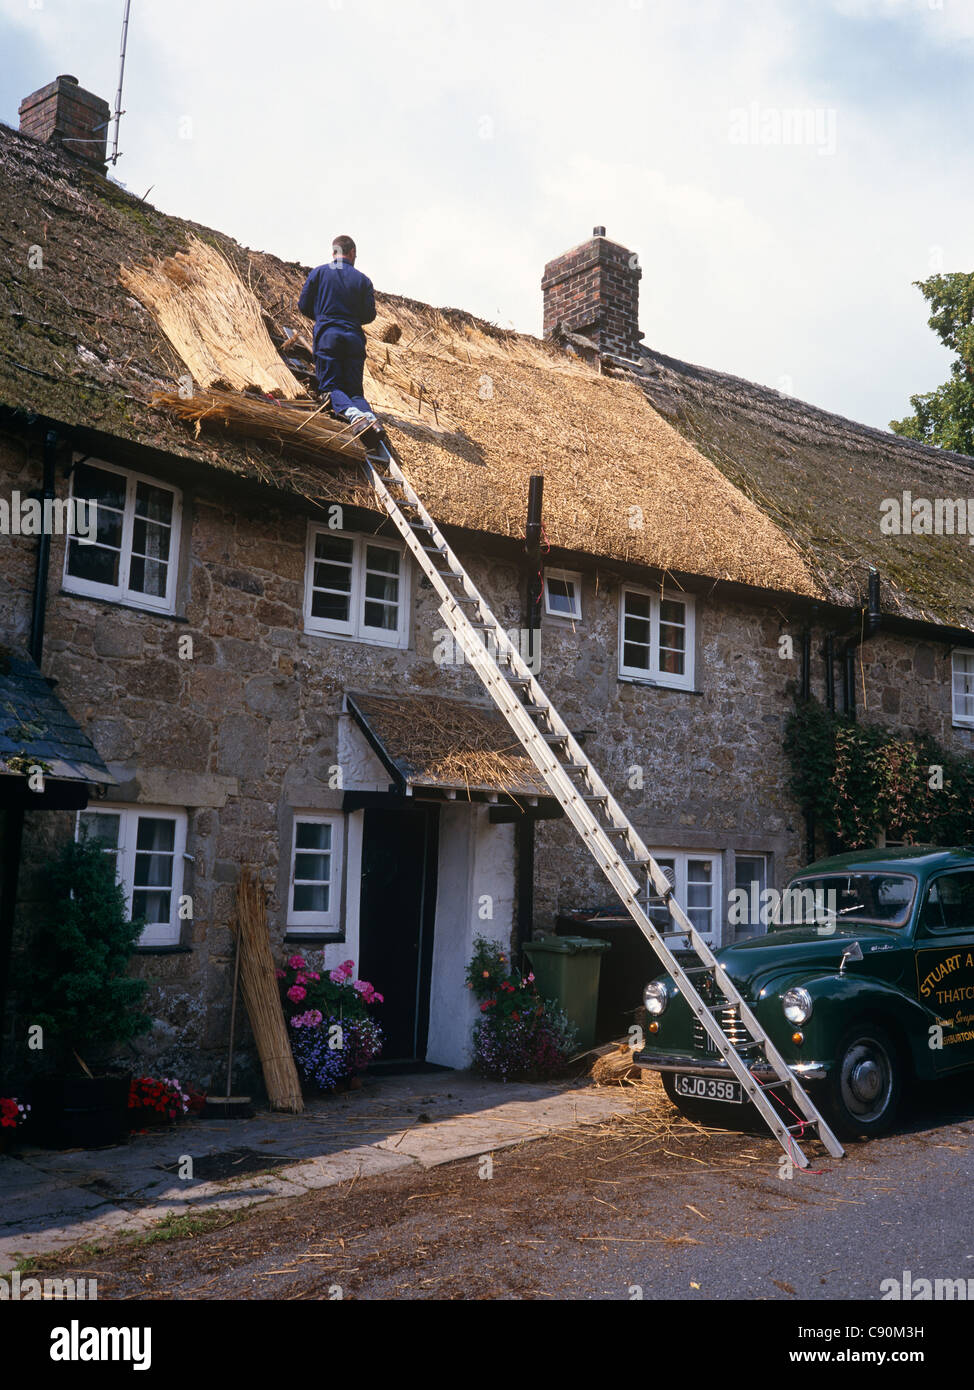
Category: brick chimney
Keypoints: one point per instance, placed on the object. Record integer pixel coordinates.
(593, 290)
(62, 113)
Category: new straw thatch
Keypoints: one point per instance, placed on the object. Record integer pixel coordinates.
(436, 742)
(261, 995)
(304, 430)
(212, 320)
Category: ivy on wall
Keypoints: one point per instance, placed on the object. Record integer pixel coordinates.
(859, 780)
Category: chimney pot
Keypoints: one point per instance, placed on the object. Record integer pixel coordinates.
(598, 231)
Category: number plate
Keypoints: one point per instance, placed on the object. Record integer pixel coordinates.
(708, 1088)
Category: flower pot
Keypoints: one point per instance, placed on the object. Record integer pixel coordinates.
(80, 1112)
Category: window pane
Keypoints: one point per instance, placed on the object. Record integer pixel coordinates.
(93, 562)
(153, 870)
(950, 903)
(382, 586)
(151, 539)
(156, 834)
(334, 548)
(153, 503)
(334, 577)
(148, 577)
(672, 611)
(99, 485)
(311, 897)
(383, 615)
(377, 558)
(154, 908)
(313, 835)
(99, 825)
(312, 868)
(332, 607)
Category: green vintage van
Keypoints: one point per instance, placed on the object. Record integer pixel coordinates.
(864, 980)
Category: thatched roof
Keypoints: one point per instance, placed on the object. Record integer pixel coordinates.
(431, 743)
(474, 410)
(822, 478)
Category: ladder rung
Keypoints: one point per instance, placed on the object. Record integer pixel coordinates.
(599, 796)
(616, 829)
(572, 768)
(556, 738)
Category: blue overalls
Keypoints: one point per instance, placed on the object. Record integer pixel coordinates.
(340, 299)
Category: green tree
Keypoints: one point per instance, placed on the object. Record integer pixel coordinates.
(945, 417)
(76, 981)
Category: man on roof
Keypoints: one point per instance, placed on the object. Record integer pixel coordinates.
(341, 299)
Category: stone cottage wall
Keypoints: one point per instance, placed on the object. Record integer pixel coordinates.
(247, 726)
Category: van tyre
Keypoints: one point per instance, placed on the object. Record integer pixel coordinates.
(863, 1092)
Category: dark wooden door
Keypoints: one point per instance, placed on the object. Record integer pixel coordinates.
(398, 905)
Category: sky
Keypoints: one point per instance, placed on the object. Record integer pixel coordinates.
(784, 169)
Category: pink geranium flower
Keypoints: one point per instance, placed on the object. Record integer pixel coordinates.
(296, 993)
(297, 962)
(347, 968)
(280, 974)
(336, 977)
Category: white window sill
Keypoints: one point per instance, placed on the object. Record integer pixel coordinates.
(401, 644)
(657, 684)
(126, 603)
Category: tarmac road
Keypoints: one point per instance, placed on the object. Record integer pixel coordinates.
(609, 1212)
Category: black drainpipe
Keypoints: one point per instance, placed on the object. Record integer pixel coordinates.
(13, 837)
(829, 654)
(531, 622)
(805, 694)
(870, 625)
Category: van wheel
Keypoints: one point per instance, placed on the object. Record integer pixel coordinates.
(863, 1091)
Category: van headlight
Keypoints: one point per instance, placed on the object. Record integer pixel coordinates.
(797, 1004)
(655, 998)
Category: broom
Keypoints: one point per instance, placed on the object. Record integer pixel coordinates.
(261, 995)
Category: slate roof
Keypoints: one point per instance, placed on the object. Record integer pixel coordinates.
(35, 728)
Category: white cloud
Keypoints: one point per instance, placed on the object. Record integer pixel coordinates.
(464, 146)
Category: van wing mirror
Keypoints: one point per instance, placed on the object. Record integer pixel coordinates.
(853, 952)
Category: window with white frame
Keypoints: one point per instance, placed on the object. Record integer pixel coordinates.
(656, 637)
(696, 886)
(133, 556)
(315, 889)
(356, 586)
(963, 683)
(563, 594)
(147, 846)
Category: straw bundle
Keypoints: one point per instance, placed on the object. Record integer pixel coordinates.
(615, 1065)
(261, 995)
(301, 430)
(212, 320)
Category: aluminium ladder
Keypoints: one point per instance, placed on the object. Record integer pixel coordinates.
(602, 824)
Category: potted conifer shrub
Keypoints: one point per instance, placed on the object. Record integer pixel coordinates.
(79, 992)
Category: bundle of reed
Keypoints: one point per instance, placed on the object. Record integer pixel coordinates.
(261, 995)
(614, 1064)
(212, 319)
(300, 430)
